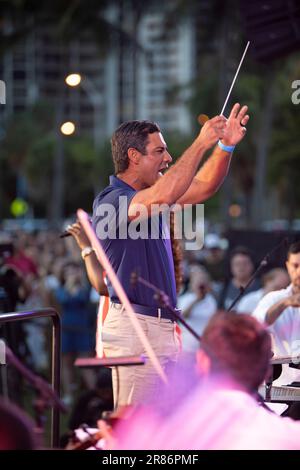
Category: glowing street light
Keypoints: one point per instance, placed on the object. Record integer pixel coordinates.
(73, 79)
(235, 210)
(67, 128)
(96, 98)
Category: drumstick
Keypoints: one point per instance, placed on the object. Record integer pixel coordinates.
(234, 78)
(102, 258)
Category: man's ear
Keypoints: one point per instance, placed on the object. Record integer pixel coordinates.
(133, 155)
(287, 264)
(203, 362)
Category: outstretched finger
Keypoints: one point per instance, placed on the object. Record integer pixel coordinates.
(245, 120)
(234, 111)
(242, 113)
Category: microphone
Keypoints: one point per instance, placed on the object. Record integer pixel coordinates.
(68, 234)
(65, 234)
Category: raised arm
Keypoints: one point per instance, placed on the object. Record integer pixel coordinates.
(277, 309)
(175, 182)
(212, 174)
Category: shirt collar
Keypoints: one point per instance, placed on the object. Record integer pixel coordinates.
(117, 183)
(289, 288)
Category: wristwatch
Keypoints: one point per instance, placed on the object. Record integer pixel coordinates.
(86, 251)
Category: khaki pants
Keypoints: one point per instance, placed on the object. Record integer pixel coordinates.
(137, 384)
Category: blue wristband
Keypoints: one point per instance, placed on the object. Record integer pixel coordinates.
(226, 148)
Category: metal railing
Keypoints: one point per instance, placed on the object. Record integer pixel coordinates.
(56, 353)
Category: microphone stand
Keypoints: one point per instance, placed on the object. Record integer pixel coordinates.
(261, 265)
(164, 300)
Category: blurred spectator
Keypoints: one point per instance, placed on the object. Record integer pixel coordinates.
(11, 286)
(274, 279)
(12, 291)
(35, 328)
(29, 282)
(20, 261)
(53, 275)
(214, 261)
(197, 306)
(77, 334)
(242, 268)
(189, 259)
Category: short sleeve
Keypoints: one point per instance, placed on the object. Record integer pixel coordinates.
(263, 306)
(110, 213)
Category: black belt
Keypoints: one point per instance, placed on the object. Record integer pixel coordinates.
(152, 311)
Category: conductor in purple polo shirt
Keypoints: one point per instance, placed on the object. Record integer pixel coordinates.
(142, 181)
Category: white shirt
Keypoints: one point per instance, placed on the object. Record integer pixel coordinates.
(249, 302)
(285, 330)
(199, 316)
(216, 418)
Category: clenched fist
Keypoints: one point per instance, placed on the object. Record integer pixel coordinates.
(212, 131)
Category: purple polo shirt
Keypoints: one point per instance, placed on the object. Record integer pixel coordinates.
(151, 258)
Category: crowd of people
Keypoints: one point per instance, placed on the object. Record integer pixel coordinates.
(49, 271)
(40, 270)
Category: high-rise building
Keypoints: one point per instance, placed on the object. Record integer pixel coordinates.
(166, 72)
(148, 79)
